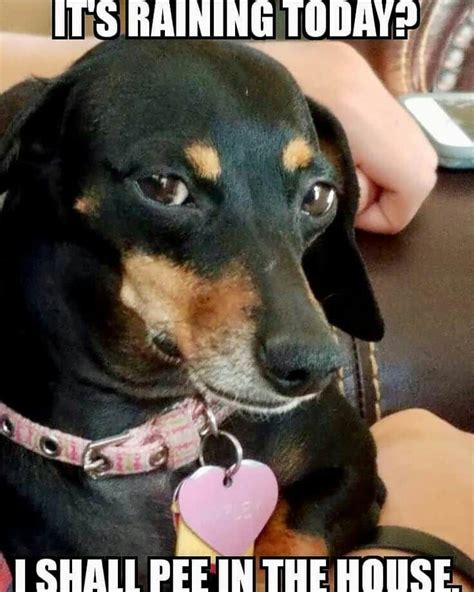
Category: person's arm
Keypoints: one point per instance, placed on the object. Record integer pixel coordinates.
(23, 56)
(428, 468)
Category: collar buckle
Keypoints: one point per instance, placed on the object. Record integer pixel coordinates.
(96, 463)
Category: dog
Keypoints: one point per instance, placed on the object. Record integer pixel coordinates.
(178, 220)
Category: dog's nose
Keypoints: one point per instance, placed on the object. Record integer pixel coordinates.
(297, 368)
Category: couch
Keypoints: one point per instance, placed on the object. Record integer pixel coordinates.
(424, 277)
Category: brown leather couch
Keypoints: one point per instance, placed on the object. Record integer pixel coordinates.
(424, 277)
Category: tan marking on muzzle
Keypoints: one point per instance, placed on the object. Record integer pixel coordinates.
(192, 309)
(297, 154)
(204, 158)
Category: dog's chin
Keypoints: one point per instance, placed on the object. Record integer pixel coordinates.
(271, 404)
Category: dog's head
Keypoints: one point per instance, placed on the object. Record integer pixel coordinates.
(220, 203)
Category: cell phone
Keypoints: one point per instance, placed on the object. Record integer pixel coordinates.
(447, 118)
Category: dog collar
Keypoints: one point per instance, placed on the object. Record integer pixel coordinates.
(169, 440)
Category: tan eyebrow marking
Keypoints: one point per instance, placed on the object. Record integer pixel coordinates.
(297, 154)
(205, 160)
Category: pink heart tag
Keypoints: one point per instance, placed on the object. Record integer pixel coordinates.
(229, 519)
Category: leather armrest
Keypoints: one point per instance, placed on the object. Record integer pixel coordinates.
(437, 55)
(424, 282)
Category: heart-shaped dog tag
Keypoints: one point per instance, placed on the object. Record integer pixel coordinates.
(229, 517)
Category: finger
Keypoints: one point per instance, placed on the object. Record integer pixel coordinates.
(368, 191)
(405, 185)
(375, 220)
(399, 201)
(379, 217)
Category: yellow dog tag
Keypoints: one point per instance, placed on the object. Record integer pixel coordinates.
(188, 544)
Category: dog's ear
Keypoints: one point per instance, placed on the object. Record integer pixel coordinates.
(333, 264)
(30, 120)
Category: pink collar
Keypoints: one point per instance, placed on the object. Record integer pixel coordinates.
(170, 440)
(5, 577)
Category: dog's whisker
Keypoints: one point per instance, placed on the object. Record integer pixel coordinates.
(329, 296)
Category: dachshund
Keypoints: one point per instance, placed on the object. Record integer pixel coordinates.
(178, 221)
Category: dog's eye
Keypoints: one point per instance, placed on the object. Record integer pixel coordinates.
(165, 189)
(319, 200)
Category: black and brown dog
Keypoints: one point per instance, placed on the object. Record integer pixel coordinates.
(178, 219)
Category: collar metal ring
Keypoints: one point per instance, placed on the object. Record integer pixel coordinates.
(210, 427)
(239, 455)
(6, 426)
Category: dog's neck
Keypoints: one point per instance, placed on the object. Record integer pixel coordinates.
(53, 364)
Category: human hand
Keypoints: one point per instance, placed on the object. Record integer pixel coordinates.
(396, 164)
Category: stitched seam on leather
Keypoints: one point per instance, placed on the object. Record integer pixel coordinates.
(358, 379)
(450, 46)
(374, 367)
(340, 381)
(340, 371)
(403, 65)
(423, 44)
(411, 74)
(406, 56)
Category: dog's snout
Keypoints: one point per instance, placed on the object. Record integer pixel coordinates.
(297, 367)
